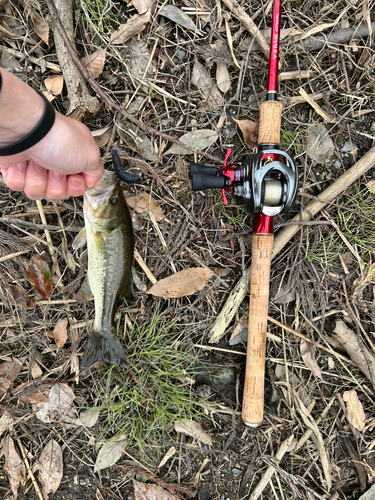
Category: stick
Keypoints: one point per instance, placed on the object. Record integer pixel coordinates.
(249, 24)
(239, 292)
(270, 470)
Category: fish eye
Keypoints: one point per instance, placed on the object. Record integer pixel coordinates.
(113, 200)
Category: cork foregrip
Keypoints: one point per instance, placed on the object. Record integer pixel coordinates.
(269, 122)
(253, 398)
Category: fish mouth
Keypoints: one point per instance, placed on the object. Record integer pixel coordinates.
(103, 188)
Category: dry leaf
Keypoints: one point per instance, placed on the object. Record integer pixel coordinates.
(94, 63)
(172, 450)
(135, 24)
(198, 139)
(145, 203)
(147, 491)
(39, 276)
(201, 78)
(60, 333)
(362, 357)
(371, 186)
(193, 429)
(319, 145)
(40, 26)
(230, 42)
(14, 468)
(102, 136)
(136, 140)
(179, 17)
(109, 453)
(8, 373)
(222, 77)
(183, 283)
(36, 370)
(60, 398)
(6, 423)
(54, 86)
(142, 6)
(354, 408)
(309, 358)
(34, 396)
(89, 417)
(249, 131)
(50, 468)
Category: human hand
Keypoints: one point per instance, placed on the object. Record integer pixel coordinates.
(62, 164)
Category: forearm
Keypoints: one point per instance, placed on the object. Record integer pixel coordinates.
(20, 108)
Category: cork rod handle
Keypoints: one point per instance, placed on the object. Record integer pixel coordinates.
(269, 122)
(253, 398)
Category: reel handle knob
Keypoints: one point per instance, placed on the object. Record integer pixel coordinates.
(201, 182)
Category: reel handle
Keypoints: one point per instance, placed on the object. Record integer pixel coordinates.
(253, 397)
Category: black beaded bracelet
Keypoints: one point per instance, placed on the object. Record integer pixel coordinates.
(37, 134)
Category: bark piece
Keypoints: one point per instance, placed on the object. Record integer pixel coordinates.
(81, 103)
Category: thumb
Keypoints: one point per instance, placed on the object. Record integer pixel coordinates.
(92, 177)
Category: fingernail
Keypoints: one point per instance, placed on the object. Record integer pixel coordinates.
(76, 182)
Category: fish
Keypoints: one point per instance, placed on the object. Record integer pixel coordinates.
(109, 235)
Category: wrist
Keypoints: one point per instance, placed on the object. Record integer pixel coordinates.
(21, 109)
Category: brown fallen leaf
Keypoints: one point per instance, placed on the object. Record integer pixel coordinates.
(60, 398)
(54, 86)
(94, 63)
(201, 78)
(39, 276)
(101, 136)
(60, 333)
(41, 27)
(145, 203)
(136, 140)
(8, 373)
(147, 491)
(354, 408)
(309, 358)
(183, 283)
(6, 423)
(249, 131)
(50, 468)
(34, 396)
(193, 429)
(135, 24)
(14, 468)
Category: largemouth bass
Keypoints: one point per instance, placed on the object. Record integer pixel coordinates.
(110, 245)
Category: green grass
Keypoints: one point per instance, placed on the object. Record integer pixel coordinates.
(145, 410)
(98, 14)
(356, 220)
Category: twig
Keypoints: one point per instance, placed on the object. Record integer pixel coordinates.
(249, 24)
(239, 292)
(112, 105)
(268, 473)
(302, 336)
(144, 266)
(36, 486)
(55, 264)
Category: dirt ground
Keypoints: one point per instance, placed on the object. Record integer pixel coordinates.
(191, 69)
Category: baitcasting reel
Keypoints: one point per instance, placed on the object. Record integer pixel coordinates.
(267, 182)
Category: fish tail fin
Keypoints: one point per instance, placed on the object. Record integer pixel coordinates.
(103, 346)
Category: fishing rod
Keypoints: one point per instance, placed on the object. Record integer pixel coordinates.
(267, 184)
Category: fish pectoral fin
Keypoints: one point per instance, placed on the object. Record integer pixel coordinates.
(86, 289)
(80, 240)
(103, 346)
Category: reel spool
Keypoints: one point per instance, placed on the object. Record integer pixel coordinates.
(267, 183)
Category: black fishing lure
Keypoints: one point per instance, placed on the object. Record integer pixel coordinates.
(119, 169)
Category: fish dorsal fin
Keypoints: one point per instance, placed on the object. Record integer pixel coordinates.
(80, 240)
